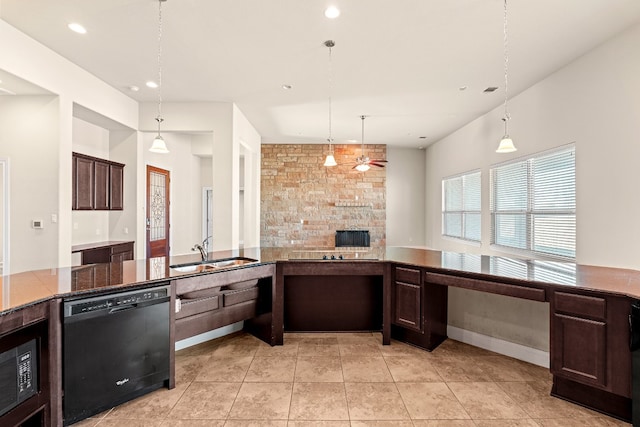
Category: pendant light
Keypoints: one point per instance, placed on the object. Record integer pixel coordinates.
(506, 143)
(159, 146)
(363, 161)
(330, 160)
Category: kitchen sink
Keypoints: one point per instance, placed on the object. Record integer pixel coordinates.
(210, 265)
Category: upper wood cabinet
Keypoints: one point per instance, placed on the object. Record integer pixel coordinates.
(98, 184)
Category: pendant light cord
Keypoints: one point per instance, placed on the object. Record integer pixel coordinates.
(330, 44)
(159, 119)
(506, 68)
(362, 141)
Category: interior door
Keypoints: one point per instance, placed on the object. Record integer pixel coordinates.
(157, 212)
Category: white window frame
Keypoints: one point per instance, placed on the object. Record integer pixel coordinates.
(464, 213)
(530, 212)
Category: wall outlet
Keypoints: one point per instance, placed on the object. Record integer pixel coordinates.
(126, 230)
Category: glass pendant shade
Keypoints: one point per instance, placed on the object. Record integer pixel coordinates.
(330, 160)
(506, 145)
(159, 145)
(363, 167)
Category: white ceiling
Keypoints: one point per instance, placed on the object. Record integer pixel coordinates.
(399, 62)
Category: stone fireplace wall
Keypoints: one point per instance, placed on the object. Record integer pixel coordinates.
(303, 203)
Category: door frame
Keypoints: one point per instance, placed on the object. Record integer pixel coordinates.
(150, 168)
(4, 205)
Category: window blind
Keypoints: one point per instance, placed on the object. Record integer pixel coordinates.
(461, 206)
(533, 204)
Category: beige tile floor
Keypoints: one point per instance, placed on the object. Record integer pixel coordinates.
(326, 380)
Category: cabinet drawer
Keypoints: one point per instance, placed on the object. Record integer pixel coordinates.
(236, 297)
(189, 307)
(408, 275)
(580, 305)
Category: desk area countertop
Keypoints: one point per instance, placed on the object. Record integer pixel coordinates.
(30, 287)
(98, 245)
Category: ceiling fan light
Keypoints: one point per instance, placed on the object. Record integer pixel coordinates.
(363, 167)
(159, 146)
(506, 145)
(330, 160)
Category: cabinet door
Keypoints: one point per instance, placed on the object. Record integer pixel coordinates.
(580, 349)
(122, 252)
(83, 183)
(101, 187)
(116, 187)
(407, 306)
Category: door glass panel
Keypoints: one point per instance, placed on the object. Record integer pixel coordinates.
(157, 206)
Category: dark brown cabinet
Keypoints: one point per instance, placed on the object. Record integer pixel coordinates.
(39, 322)
(105, 252)
(97, 184)
(83, 182)
(418, 308)
(407, 299)
(589, 352)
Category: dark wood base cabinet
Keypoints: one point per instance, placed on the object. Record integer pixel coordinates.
(39, 322)
(590, 356)
(209, 302)
(419, 308)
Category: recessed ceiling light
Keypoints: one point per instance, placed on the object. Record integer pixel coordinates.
(423, 137)
(491, 89)
(461, 88)
(332, 12)
(152, 84)
(77, 28)
(133, 88)
(286, 87)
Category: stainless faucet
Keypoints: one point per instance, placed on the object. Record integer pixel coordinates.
(203, 248)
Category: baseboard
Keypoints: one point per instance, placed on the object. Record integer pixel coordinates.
(517, 351)
(208, 336)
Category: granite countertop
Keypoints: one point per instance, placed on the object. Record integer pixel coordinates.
(30, 287)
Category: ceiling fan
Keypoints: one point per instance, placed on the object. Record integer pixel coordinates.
(363, 162)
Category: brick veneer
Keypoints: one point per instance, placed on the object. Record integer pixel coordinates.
(303, 202)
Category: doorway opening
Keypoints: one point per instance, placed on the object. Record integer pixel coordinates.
(207, 215)
(4, 216)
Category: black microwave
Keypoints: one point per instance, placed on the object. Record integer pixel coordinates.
(18, 375)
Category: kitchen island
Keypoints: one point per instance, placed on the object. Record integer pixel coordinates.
(590, 356)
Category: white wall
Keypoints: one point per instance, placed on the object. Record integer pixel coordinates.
(185, 189)
(34, 62)
(405, 197)
(123, 148)
(28, 138)
(246, 142)
(593, 102)
(216, 120)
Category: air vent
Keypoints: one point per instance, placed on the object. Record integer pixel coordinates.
(491, 89)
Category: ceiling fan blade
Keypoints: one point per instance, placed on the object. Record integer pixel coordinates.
(379, 160)
(376, 164)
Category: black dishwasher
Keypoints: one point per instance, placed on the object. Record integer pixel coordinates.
(115, 348)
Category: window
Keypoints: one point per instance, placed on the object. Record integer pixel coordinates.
(461, 206)
(533, 204)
